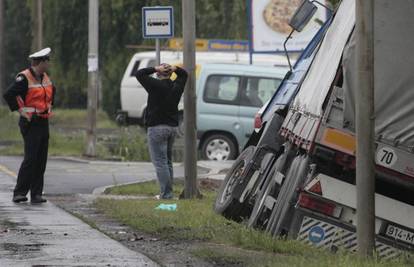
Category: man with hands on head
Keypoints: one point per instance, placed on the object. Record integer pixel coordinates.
(161, 118)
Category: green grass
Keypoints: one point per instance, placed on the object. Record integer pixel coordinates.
(9, 130)
(67, 136)
(76, 118)
(61, 142)
(132, 144)
(195, 220)
(147, 189)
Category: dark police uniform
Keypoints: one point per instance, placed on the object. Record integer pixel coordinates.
(33, 95)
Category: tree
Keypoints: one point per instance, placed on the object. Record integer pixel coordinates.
(17, 38)
(66, 32)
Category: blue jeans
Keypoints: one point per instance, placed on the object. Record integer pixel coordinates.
(160, 141)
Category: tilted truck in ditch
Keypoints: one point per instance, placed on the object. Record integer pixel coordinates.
(296, 176)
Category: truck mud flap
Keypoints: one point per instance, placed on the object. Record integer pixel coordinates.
(323, 234)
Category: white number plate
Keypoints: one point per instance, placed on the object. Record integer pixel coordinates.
(400, 234)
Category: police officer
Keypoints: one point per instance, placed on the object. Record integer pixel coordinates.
(32, 94)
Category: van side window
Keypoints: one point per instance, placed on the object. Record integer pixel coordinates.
(135, 68)
(258, 91)
(222, 89)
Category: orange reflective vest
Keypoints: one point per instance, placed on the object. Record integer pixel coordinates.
(39, 96)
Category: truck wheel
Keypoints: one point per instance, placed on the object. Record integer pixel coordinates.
(267, 189)
(225, 203)
(218, 147)
(287, 195)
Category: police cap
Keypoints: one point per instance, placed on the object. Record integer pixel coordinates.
(41, 55)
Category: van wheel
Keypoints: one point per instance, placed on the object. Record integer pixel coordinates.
(225, 203)
(218, 147)
(121, 119)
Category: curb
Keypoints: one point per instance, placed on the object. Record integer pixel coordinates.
(211, 173)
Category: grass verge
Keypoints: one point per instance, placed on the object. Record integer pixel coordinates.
(67, 136)
(233, 244)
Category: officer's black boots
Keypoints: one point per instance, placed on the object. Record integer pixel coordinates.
(19, 198)
(37, 200)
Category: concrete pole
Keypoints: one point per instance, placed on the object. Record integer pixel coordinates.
(37, 25)
(2, 74)
(365, 127)
(157, 52)
(190, 148)
(93, 74)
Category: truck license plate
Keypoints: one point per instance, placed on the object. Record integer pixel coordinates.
(400, 234)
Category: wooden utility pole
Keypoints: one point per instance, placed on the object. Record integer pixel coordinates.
(37, 25)
(93, 74)
(190, 148)
(365, 128)
(2, 80)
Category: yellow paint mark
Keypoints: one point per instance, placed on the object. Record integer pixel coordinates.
(174, 76)
(339, 140)
(7, 171)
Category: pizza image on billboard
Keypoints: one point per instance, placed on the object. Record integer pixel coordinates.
(269, 25)
(277, 14)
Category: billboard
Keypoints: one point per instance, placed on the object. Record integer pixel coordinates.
(269, 25)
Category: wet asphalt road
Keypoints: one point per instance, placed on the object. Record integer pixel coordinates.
(74, 177)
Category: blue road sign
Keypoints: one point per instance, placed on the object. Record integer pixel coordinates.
(316, 234)
(158, 22)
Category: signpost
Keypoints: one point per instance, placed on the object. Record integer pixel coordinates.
(157, 22)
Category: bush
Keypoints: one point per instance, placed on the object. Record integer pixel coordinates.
(132, 145)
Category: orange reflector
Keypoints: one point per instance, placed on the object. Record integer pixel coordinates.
(340, 141)
(257, 121)
(316, 188)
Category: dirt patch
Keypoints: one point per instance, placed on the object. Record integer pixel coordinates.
(209, 184)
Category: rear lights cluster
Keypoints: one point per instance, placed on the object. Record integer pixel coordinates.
(319, 205)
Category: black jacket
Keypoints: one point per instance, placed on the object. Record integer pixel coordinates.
(163, 97)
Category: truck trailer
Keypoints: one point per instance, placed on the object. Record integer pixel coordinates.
(296, 177)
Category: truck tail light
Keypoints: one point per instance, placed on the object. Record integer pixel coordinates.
(257, 121)
(319, 205)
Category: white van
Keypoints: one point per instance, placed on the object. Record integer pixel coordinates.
(134, 97)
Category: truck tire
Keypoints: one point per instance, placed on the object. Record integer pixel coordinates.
(218, 147)
(225, 203)
(288, 194)
(269, 187)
